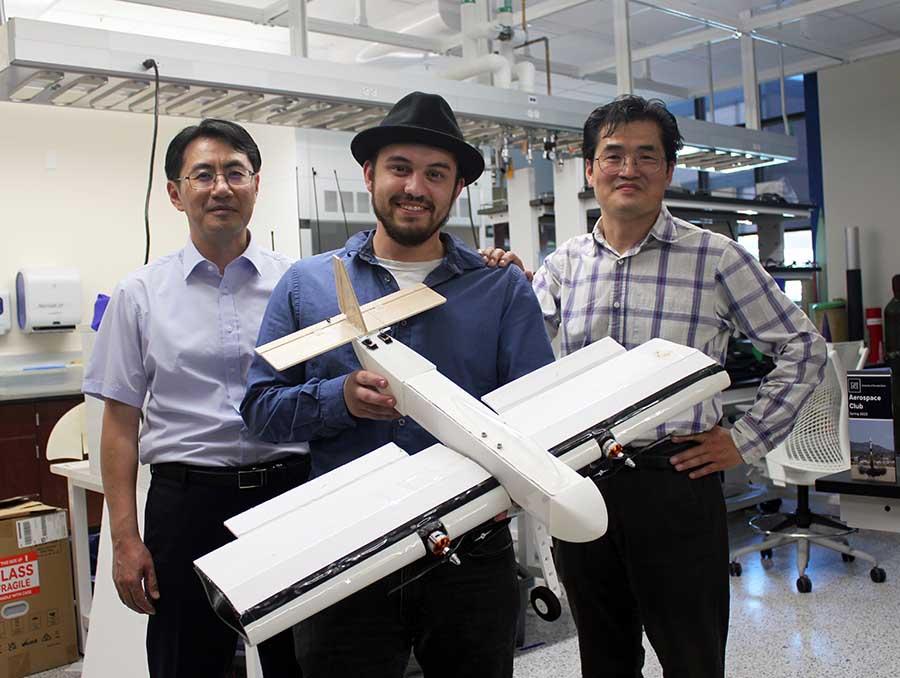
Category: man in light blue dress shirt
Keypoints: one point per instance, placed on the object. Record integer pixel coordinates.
(174, 348)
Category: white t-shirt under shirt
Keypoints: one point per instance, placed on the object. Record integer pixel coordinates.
(409, 273)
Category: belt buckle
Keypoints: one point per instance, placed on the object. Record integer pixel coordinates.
(251, 478)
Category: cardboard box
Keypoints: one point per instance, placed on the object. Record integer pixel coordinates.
(872, 444)
(37, 610)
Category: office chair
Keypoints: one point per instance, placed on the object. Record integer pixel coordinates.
(818, 445)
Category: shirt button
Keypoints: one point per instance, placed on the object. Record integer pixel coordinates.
(620, 262)
(403, 323)
(387, 279)
(401, 422)
(616, 304)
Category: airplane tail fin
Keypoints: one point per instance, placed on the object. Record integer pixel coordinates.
(347, 300)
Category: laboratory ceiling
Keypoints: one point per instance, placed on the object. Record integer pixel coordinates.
(673, 42)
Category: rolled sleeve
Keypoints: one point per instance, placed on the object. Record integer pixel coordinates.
(116, 368)
(778, 328)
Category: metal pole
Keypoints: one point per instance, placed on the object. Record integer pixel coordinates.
(298, 27)
(624, 82)
(2, 13)
(748, 71)
(709, 82)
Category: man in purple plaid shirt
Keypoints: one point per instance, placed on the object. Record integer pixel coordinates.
(640, 274)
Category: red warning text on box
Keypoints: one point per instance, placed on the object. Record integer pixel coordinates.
(19, 576)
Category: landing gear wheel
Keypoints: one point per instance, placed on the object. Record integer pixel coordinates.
(804, 585)
(877, 574)
(735, 569)
(847, 558)
(770, 506)
(766, 554)
(545, 603)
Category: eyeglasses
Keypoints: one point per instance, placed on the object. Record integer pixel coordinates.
(205, 181)
(613, 163)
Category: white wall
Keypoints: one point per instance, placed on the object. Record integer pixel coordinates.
(73, 182)
(859, 106)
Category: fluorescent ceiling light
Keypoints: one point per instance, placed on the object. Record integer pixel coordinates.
(33, 85)
(195, 101)
(77, 89)
(145, 103)
(231, 104)
(276, 105)
(116, 94)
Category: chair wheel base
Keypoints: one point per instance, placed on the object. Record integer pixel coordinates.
(847, 558)
(804, 584)
(878, 575)
(734, 568)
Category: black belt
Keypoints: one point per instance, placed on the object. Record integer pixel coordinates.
(656, 455)
(237, 477)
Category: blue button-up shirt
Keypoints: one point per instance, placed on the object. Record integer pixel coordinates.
(177, 339)
(488, 333)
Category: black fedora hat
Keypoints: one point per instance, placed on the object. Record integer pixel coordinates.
(420, 118)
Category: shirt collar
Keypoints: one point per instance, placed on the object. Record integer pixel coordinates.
(191, 257)
(663, 229)
(457, 257)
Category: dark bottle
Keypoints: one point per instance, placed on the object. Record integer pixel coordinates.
(892, 352)
(892, 324)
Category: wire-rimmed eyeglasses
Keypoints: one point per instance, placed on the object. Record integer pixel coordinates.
(613, 163)
(204, 180)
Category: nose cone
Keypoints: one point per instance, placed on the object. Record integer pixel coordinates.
(578, 513)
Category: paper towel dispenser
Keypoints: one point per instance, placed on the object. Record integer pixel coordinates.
(48, 300)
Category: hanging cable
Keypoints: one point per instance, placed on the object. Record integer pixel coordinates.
(476, 241)
(316, 203)
(299, 220)
(341, 198)
(148, 64)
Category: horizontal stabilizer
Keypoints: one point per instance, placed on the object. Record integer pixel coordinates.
(329, 334)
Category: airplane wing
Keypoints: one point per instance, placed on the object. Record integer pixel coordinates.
(312, 546)
(316, 339)
(566, 407)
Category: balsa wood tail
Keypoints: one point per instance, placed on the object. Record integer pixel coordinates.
(355, 321)
(347, 300)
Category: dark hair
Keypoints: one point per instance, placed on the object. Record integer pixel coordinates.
(231, 133)
(626, 109)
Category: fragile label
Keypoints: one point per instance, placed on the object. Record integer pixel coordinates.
(19, 576)
(41, 529)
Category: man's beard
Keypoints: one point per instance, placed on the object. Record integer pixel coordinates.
(411, 236)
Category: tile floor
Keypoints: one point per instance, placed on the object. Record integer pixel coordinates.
(846, 627)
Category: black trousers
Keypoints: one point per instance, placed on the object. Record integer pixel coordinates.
(183, 521)
(460, 620)
(663, 566)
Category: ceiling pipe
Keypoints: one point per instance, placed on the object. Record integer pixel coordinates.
(546, 42)
(525, 73)
(493, 64)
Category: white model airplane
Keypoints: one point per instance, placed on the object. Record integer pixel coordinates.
(319, 543)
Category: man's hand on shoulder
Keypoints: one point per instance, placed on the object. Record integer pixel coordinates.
(363, 399)
(496, 256)
(715, 452)
(135, 575)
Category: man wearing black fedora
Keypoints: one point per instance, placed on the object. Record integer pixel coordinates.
(460, 620)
